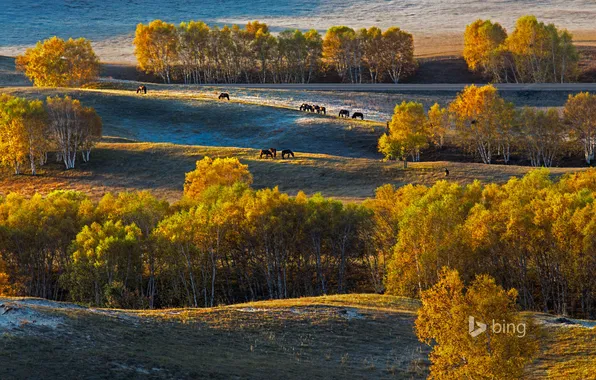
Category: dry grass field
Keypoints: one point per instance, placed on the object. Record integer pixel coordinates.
(160, 167)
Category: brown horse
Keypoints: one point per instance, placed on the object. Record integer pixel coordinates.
(266, 153)
(286, 152)
(344, 113)
(358, 115)
(224, 95)
(142, 89)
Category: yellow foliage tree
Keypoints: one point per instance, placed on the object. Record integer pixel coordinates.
(483, 121)
(407, 133)
(451, 319)
(58, 63)
(156, 48)
(481, 39)
(209, 172)
(23, 132)
(580, 115)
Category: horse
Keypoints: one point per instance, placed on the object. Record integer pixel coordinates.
(224, 95)
(446, 172)
(305, 107)
(344, 113)
(309, 108)
(142, 89)
(358, 115)
(273, 151)
(324, 110)
(266, 153)
(286, 152)
(317, 108)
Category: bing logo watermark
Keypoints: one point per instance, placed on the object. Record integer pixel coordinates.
(476, 328)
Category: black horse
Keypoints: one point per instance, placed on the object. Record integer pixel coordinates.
(266, 153)
(224, 95)
(273, 151)
(446, 172)
(344, 113)
(324, 110)
(307, 108)
(142, 89)
(286, 152)
(358, 115)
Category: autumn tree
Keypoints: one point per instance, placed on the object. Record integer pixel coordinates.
(407, 133)
(543, 135)
(219, 171)
(156, 48)
(541, 53)
(73, 127)
(449, 310)
(398, 54)
(580, 115)
(340, 52)
(106, 257)
(438, 123)
(58, 63)
(24, 132)
(193, 53)
(483, 121)
(482, 38)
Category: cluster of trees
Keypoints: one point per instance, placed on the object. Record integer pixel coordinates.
(481, 122)
(197, 53)
(29, 129)
(534, 52)
(531, 234)
(225, 242)
(58, 63)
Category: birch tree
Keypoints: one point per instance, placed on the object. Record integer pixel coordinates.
(580, 116)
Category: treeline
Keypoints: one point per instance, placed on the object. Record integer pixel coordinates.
(481, 122)
(194, 52)
(30, 129)
(225, 242)
(533, 53)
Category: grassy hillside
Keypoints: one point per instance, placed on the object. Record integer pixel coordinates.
(360, 336)
(331, 337)
(121, 165)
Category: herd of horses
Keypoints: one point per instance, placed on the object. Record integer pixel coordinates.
(272, 153)
(313, 108)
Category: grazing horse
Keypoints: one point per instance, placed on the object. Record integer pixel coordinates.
(273, 151)
(344, 113)
(324, 110)
(142, 89)
(317, 108)
(224, 95)
(358, 115)
(309, 108)
(286, 152)
(266, 153)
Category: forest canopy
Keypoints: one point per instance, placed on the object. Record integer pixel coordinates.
(229, 243)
